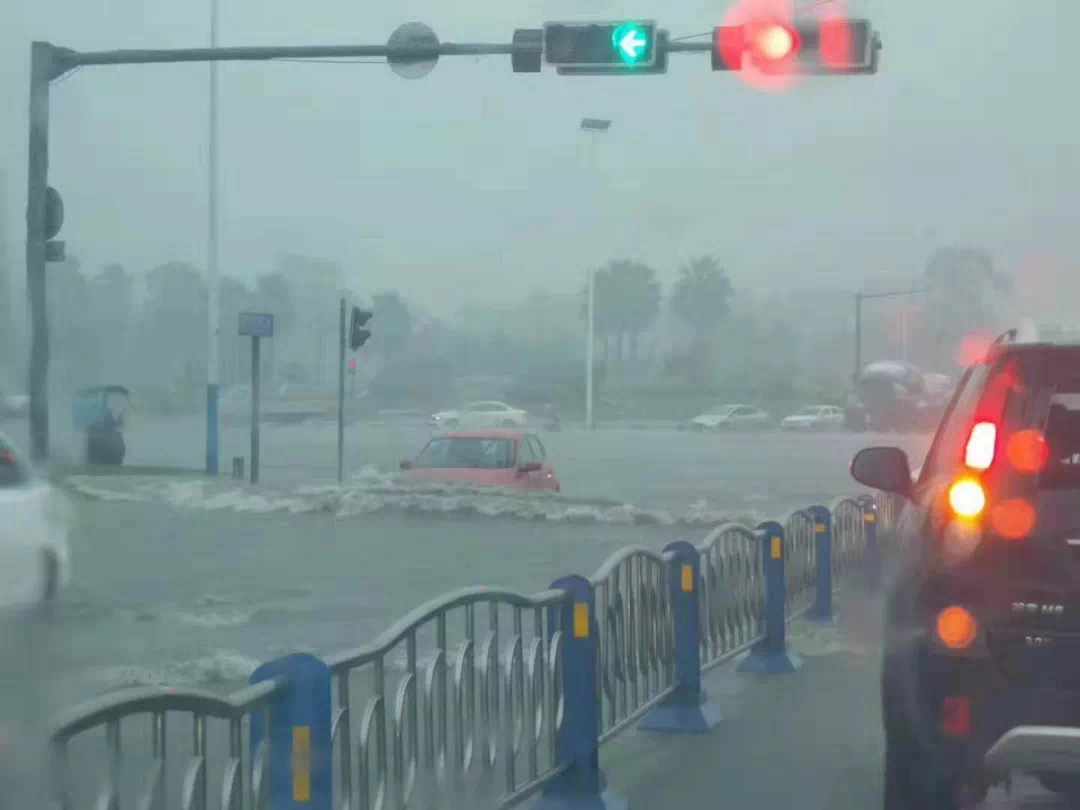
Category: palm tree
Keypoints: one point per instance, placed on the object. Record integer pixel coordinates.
(701, 297)
(627, 301)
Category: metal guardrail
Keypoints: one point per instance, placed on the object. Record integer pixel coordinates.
(474, 705)
(485, 695)
(110, 711)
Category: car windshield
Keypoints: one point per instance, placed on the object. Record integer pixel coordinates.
(471, 453)
(815, 411)
(722, 410)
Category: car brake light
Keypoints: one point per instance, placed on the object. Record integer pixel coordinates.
(979, 453)
(956, 716)
(956, 627)
(966, 497)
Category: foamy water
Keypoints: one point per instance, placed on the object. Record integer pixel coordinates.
(371, 491)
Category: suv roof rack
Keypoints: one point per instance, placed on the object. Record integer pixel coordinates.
(1008, 336)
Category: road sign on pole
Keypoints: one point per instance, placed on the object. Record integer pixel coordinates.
(256, 324)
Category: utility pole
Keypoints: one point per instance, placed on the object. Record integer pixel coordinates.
(858, 338)
(341, 395)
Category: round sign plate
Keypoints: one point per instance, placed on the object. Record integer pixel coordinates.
(54, 213)
(412, 34)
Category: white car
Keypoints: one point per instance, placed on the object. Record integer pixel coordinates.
(34, 557)
(480, 415)
(816, 417)
(730, 417)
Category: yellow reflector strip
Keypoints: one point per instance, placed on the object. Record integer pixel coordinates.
(819, 528)
(868, 517)
(687, 578)
(301, 763)
(777, 550)
(581, 620)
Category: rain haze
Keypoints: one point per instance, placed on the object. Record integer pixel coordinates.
(572, 349)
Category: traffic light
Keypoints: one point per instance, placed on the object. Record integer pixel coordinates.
(358, 335)
(628, 44)
(821, 46)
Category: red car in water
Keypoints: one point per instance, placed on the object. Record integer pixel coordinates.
(494, 458)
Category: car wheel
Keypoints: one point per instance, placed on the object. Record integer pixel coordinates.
(915, 778)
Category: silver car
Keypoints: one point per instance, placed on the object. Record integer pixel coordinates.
(816, 417)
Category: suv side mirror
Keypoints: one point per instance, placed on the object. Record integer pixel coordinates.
(530, 466)
(884, 468)
(406, 464)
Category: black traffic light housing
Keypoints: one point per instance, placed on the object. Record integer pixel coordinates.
(358, 335)
(596, 45)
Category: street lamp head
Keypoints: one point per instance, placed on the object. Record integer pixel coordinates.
(595, 124)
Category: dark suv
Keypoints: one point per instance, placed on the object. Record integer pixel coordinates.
(981, 672)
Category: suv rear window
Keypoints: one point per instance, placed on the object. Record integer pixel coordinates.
(1062, 434)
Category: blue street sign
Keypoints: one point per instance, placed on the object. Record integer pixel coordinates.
(256, 324)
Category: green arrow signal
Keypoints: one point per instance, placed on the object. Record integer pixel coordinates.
(630, 42)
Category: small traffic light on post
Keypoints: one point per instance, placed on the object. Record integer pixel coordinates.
(358, 335)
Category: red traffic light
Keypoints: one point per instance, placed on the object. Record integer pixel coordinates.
(769, 43)
(352, 365)
(772, 42)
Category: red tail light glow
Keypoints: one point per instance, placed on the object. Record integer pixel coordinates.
(979, 452)
(956, 716)
(956, 627)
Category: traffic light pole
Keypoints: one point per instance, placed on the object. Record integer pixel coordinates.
(49, 62)
(42, 71)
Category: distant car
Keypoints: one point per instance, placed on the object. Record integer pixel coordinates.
(486, 414)
(13, 406)
(497, 458)
(34, 558)
(730, 417)
(816, 417)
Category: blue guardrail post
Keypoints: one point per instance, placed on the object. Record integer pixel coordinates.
(578, 741)
(822, 610)
(300, 773)
(771, 656)
(873, 547)
(687, 710)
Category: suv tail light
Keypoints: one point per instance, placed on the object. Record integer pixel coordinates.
(981, 444)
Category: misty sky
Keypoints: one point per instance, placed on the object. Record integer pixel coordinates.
(474, 185)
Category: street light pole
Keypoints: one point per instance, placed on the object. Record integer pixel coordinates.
(594, 126)
(859, 298)
(212, 271)
(589, 340)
